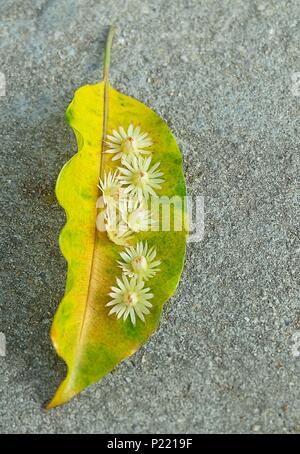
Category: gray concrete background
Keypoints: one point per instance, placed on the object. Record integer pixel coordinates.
(220, 73)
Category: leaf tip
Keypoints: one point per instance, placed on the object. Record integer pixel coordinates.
(58, 399)
(63, 394)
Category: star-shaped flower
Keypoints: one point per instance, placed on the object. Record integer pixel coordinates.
(139, 262)
(130, 298)
(111, 189)
(128, 144)
(139, 179)
(117, 229)
(136, 215)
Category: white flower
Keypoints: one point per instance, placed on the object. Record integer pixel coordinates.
(128, 144)
(135, 214)
(111, 189)
(130, 298)
(117, 229)
(139, 262)
(140, 180)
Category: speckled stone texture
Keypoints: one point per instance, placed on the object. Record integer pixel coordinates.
(221, 73)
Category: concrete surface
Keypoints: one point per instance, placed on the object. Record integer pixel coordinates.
(221, 74)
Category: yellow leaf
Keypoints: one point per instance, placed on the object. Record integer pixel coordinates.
(90, 341)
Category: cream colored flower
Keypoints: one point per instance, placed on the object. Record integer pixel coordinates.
(139, 179)
(130, 298)
(111, 189)
(139, 262)
(128, 144)
(117, 229)
(136, 215)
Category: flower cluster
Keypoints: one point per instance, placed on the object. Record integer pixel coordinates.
(130, 296)
(127, 190)
(125, 193)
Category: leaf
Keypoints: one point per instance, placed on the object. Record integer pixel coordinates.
(90, 341)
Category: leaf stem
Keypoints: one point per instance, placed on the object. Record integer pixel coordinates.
(111, 32)
(109, 40)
